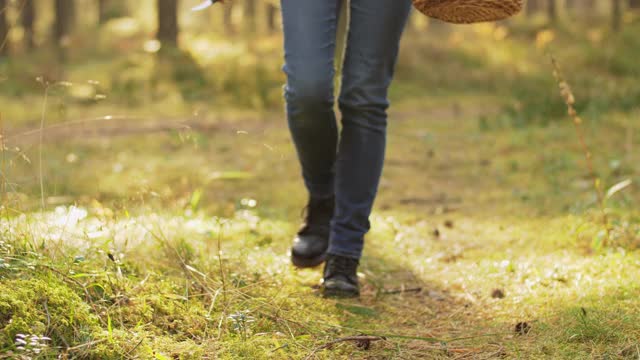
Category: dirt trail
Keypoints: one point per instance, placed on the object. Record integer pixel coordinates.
(113, 126)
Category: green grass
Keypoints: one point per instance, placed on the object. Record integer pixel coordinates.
(153, 204)
(173, 244)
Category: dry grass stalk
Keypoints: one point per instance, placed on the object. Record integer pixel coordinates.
(569, 100)
(3, 189)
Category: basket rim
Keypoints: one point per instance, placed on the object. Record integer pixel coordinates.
(469, 11)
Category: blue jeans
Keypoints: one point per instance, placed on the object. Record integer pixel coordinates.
(348, 166)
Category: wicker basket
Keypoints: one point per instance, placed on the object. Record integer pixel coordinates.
(468, 11)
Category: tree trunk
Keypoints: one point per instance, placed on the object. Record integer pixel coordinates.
(250, 15)
(4, 29)
(590, 7)
(272, 12)
(102, 11)
(553, 10)
(574, 6)
(582, 7)
(227, 19)
(63, 20)
(168, 22)
(634, 4)
(109, 9)
(27, 19)
(533, 7)
(616, 14)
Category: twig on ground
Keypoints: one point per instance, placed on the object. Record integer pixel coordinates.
(280, 347)
(87, 344)
(401, 291)
(46, 309)
(40, 141)
(222, 278)
(135, 347)
(362, 341)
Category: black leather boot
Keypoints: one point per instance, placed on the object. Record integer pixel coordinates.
(340, 277)
(310, 245)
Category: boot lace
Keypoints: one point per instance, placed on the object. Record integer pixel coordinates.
(342, 265)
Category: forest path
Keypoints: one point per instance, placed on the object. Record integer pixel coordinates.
(482, 235)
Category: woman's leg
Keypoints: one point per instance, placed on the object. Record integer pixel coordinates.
(310, 35)
(309, 43)
(372, 47)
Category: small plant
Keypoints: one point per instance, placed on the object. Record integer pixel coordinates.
(240, 323)
(569, 100)
(589, 325)
(5, 247)
(31, 345)
(5, 251)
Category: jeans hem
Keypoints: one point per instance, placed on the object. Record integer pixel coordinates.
(321, 191)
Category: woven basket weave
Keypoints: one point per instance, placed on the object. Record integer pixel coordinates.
(468, 11)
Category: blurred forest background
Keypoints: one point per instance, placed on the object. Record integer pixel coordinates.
(149, 190)
(231, 55)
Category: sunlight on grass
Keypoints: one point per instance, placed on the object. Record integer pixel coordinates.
(171, 192)
(207, 51)
(451, 231)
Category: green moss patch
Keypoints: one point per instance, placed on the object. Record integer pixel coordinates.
(44, 307)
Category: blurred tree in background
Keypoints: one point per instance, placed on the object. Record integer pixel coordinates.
(553, 10)
(227, 18)
(28, 19)
(272, 11)
(168, 22)
(234, 18)
(4, 28)
(250, 13)
(64, 20)
(103, 11)
(234, 49)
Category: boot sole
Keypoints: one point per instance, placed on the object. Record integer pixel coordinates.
(303, 263)
(339, 294)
